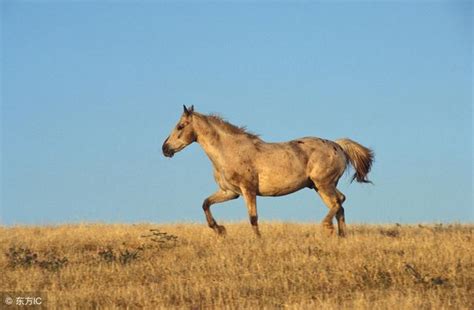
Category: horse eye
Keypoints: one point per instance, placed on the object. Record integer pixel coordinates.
(179, 127)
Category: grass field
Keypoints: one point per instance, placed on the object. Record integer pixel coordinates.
(291, 266)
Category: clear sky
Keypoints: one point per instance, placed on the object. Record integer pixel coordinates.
(91, 89)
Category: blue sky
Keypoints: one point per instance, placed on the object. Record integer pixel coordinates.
(91, 89)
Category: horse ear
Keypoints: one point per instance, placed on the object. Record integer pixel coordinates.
(185, 110)
(188, 111)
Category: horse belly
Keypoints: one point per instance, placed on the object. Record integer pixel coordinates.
(279, 184)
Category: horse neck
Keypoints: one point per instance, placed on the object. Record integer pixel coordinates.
(211, 138)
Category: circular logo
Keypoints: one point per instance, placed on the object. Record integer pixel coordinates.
(8, 300)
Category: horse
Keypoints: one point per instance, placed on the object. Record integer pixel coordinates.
(245, 165)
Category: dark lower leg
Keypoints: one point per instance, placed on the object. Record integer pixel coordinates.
(211, 222)
(254, 222)
(340, 196)
(341, 222)
(251, 202)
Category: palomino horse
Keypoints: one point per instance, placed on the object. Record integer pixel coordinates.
(246, 165)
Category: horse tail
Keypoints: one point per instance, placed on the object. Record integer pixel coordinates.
(360, 157)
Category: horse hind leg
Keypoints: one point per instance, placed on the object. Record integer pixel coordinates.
(340, 196)
(341, 221)
(331, 199)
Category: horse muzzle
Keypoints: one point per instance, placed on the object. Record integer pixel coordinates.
(167, 151)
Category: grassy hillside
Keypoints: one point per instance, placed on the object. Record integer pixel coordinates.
(292, 266)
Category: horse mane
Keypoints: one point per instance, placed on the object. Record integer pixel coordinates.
(231, 128)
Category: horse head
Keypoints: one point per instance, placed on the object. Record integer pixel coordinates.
(183, 134)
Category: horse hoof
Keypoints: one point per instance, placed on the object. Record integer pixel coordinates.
(220, 230)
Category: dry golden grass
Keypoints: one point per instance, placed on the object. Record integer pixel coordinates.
(292, 266)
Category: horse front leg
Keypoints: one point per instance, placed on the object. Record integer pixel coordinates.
(217, 197)
(250, 198)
